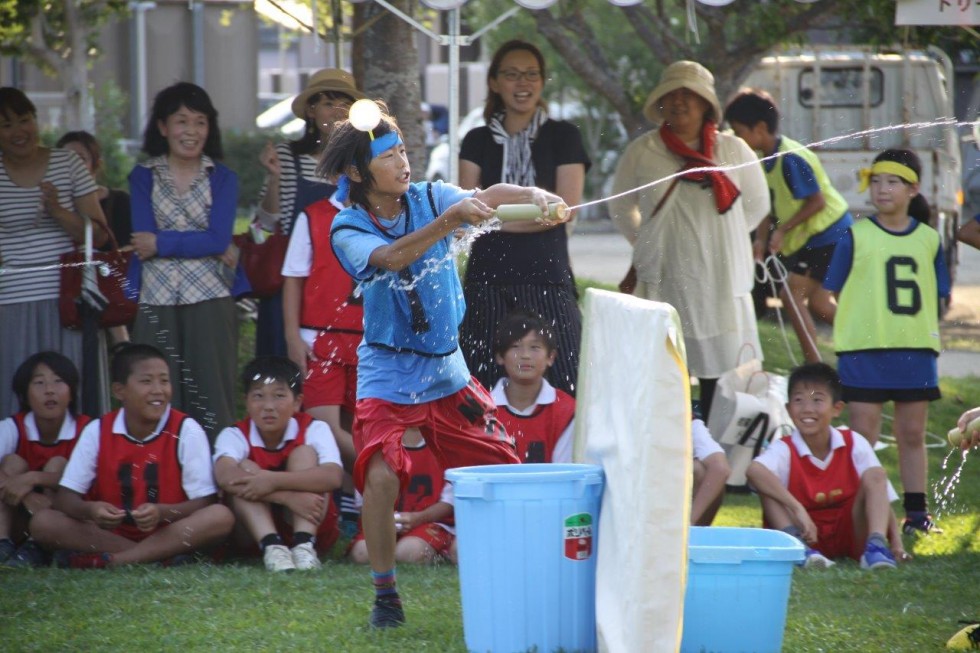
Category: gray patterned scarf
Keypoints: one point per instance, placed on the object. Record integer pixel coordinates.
(517, 165)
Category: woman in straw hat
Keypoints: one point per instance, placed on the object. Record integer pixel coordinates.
(690, 233)
(291, 183)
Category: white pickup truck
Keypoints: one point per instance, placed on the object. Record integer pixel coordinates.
(851, 102)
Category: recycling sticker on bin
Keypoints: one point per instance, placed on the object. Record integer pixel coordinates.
(578, 536)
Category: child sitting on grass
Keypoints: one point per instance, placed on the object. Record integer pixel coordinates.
(138, 486)
(538, 416)
(279, 458)
(711, 472)
(34, 447)
(424, 512)
(825, 485)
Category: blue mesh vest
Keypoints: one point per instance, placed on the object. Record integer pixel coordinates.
(419, 309)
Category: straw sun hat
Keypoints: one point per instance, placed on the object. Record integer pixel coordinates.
(328, 79)
(683, 74)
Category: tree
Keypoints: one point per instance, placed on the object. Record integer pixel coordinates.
(590, 41)
(386, 62)
(60, 37)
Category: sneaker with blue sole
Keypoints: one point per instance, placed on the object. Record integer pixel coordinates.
(876, 556)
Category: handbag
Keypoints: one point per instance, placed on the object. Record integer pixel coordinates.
(748, 412)
(262, 261)
(108, 294)
(628, 284)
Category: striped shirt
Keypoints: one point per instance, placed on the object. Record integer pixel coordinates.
(287, 187)
(31, 238)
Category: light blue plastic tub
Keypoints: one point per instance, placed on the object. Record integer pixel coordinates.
(738, 586)
(527, 555)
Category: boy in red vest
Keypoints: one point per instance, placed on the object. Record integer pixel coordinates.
(423, 513)
(323, 323)
(138, 486)
(277, 458)
(825, 485)
(538, 416)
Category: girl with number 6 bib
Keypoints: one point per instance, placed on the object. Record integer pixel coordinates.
(888, 274)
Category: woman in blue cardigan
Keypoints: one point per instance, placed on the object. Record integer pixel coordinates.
(186, 274)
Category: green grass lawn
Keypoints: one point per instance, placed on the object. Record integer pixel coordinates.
(241, 607)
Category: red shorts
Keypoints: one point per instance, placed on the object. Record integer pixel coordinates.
(331, 371)
(835, 531)
(461, 429)
(432, 534)
(133, 533)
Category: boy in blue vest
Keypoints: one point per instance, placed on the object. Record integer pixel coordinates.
(279, 458)
(809, 215)
(395, 239)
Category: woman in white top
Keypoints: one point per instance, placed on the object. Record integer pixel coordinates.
(44, 193)
(692, 249)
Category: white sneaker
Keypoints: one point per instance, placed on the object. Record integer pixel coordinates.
(305, 557)
(278, 558)
(817, 560)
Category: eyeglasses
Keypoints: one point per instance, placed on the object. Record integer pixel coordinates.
(336, 106)
(513, 75)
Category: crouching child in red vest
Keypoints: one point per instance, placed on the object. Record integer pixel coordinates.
(138, 486)
(825, 485)
(278, 466)
(35, 444)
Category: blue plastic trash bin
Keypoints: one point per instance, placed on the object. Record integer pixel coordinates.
(527, 553)
(738, 584)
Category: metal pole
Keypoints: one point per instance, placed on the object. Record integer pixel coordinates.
(453, 96)
(197, 45)
(338, 28)
(140, 9)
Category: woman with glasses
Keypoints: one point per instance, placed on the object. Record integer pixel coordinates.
(291, 183)
(523, 266)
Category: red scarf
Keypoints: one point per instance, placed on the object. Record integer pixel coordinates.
(726, 192)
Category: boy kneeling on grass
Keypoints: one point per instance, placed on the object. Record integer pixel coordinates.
(138, 486)
(825, 485)
(278, 466)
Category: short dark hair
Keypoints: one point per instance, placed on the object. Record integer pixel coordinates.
(751, 107)
(817, 374)
(349, 147)
(87, 141)
(168, 102)
(919, 206)
(269, 369)
(126, 355)
(14, 102)
(495, 103)
(518, 324)
(59, 364)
